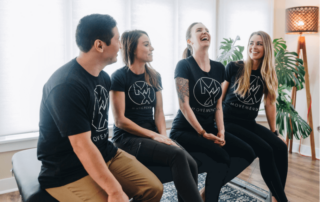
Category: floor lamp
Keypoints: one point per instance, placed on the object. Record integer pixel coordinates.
(301, 20)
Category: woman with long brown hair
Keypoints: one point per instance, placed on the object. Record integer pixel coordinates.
(246, 83)
(135, 94)
(199, 126)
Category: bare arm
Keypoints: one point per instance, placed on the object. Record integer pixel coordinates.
(94, 164)
(224, 86)
(159, 115)
(219, 116)
(182, 86)
(122, 122)
(271, 113)
(219, 119)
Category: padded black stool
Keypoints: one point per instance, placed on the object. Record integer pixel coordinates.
(26, 169)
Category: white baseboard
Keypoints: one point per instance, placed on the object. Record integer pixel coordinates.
(8, 185)
(305, 149)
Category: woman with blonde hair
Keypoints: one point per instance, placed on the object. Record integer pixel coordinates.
(246, 83)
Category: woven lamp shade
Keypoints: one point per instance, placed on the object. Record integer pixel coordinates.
(302, 19)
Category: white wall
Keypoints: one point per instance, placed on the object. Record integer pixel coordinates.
(313, 44)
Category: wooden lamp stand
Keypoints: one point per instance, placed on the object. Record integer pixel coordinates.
(302, 45)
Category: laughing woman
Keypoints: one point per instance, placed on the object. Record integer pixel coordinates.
(246, 83)
(198, 82)
(135, 94)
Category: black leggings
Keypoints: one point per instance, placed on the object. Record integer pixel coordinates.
(225, 170)
(272, 153)
(183, 167)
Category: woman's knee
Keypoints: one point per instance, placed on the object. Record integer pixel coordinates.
(281, 152)
(278, 146)
(282, 147)
(193, 164)
(178, 153)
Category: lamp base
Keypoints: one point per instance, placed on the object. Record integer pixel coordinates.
(302, 45)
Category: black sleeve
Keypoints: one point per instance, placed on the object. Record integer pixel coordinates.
(67, 105)
(228, 71)
(182, 69)
(118, 81)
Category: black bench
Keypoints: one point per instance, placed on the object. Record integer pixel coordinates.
(26, 168)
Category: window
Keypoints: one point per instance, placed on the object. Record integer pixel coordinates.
(242, 18)
(37, 37)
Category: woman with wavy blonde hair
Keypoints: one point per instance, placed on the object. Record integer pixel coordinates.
(245, 85)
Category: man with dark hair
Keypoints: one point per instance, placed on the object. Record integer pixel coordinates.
(78, 161)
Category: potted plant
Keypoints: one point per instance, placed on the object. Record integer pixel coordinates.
(290, 73)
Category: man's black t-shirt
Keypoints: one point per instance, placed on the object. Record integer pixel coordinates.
(140, 98)
(73, 102)
(247, 107)
(204, 91)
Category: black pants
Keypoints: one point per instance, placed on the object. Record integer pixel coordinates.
(217, 177)
(272, 153)
(183, 167)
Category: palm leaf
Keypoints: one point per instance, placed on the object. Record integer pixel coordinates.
(290, 71)
(230, 51)
(285, 112)
(279, 44)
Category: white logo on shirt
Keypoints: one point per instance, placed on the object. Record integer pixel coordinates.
(252, 97)
(206, 90)
(140, 93)
(101, 102)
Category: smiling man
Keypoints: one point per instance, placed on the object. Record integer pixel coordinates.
(79, 163)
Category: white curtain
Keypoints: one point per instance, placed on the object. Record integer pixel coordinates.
(33, 44)
(37, 37)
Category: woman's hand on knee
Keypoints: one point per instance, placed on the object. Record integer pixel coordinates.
(215, 139)
(220, 134)
(282, 138)
(279, 136)
(164, 139)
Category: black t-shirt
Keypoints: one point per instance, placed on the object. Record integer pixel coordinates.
(204, 91)
(73, 102)
(140, 98)
(246, 108)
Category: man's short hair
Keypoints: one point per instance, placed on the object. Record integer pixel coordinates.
(93, 27)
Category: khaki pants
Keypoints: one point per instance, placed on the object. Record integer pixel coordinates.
(137, 182)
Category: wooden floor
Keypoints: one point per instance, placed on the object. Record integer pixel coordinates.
(302, 182)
